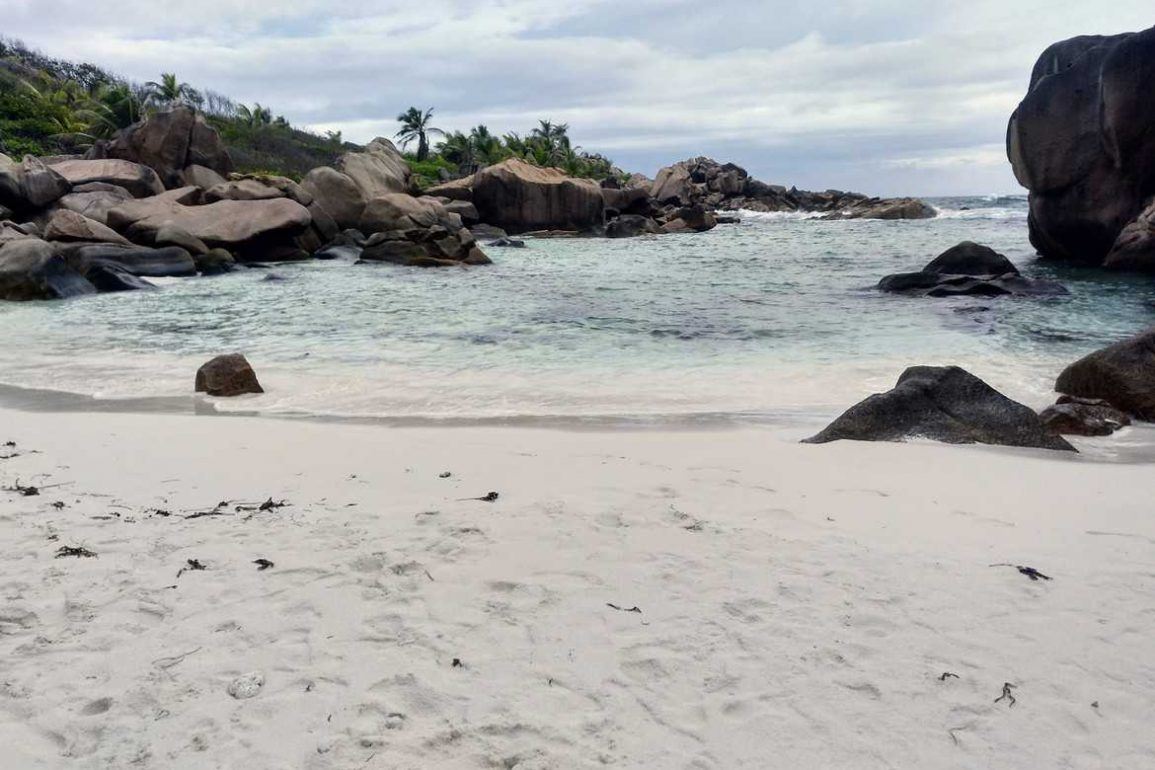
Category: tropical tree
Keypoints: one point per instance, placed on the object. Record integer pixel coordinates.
(415, 125)
(255, 116)
(169, 92)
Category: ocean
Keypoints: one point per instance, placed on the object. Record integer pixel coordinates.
(772, 319)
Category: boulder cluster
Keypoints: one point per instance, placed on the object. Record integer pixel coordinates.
(685, 197)
(1083, 143)
(705, 182)
(161, 200)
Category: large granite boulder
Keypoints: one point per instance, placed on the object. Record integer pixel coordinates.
(377, 170)
(969, 269)
(94, 200)
(520, 197)
(140, 181)
(65, 225)
(1134, 249)
(455, 190)
(199, 176)
(945, 404)
(141, 261)
(32, 269)
(1082, 141)
(227, 376)
(251, 229)
(30, 185)
(168, 143)
(673, 185)
(1122, 375)
(337, 194)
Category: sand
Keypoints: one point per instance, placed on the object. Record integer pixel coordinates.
(797, 606)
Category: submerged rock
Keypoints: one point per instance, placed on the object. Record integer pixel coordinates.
(1123, 375)
(945, 404)
(969, 269)
(631, 225)
(227, 376)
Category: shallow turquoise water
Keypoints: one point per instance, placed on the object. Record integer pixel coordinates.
(775, 315)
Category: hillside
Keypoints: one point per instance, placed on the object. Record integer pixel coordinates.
(51, 106)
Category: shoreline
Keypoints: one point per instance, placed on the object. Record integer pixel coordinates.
(1134, 445)
(795, 601)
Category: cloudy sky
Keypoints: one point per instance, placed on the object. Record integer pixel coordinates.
(881, 96)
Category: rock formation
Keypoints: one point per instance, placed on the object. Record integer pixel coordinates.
(969, 269)
(169, 143)
(945, 404)
(227, 376)
(1122, 375)
(705, 182)
(1082, 142)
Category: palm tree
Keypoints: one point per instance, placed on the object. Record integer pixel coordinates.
(486, 147)
(255, 116)
(553, 138)
(170, 92)
(458, 150)
(415, 125)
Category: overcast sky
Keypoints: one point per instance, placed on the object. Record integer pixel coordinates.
(880, 96)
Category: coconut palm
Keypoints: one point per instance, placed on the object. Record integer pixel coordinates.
(170, 92)
(415, 126)
(255, 116)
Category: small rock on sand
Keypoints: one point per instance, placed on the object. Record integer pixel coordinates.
(247, 685)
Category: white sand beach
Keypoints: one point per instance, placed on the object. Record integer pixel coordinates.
(796, 606)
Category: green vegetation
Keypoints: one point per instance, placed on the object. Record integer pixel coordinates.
(415, 125)
(50, 106)
(461, 154)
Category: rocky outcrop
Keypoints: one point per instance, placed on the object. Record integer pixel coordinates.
(168, 143)
(519, 197)
(337, 194)
(631, 226)
(65, 225)
(227, 376)
(377, 170)
(1122, 375)
(945, 404)
(885, 208)
(30, 185)
(969, 269)
(32, 269)
(140, 261)
(1083, 417)
(726, 186)
(1134, 249)
(418, 232)
(255, 229)
(1082, 141)
(140, 181)
(94, 200)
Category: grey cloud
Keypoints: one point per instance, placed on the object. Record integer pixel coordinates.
(885, 96)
